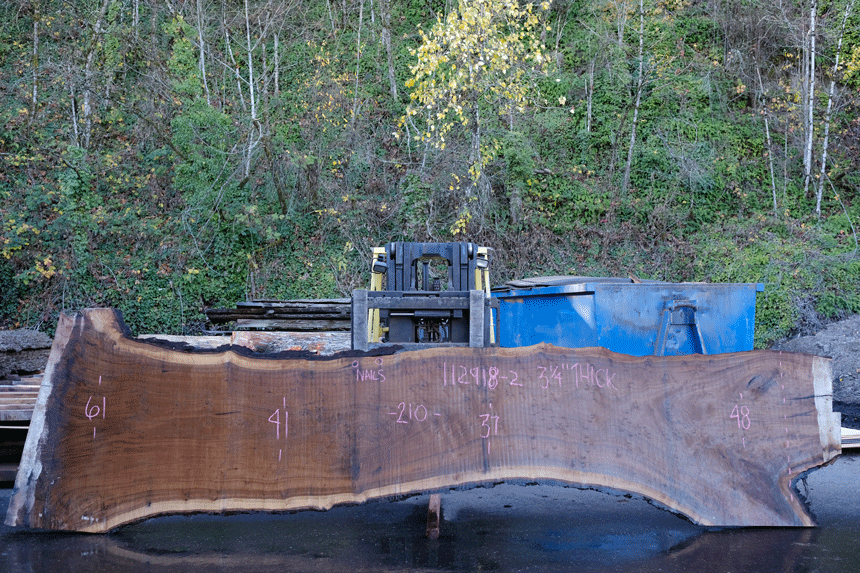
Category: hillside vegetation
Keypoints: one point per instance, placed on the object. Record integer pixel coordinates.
(165, 156)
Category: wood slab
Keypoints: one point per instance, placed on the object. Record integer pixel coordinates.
(125, 429)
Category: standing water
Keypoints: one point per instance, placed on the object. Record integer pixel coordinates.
(501, 528)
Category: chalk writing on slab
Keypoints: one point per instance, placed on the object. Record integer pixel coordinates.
(275, 419)
(407, 412)
(375, 373)
(95, 408)
(579, 375)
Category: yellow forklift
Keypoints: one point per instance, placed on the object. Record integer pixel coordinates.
(425, 294)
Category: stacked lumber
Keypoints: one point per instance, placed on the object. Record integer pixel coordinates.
(17, 401)
(292, 315)
(126, 429)
(23, 353)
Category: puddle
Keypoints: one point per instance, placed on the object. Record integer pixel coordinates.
(503, 528)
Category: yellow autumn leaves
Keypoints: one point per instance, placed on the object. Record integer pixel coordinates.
(484, 50)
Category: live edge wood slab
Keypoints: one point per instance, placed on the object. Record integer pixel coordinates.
(126, 429)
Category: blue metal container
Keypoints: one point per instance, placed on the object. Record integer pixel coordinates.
(636, 318)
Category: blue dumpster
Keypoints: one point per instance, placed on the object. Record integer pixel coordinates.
(637, 318)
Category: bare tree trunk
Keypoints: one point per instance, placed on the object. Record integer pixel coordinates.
(331, 17)
(810, 98)
(760, 99)
(621, 22)
(135, 17)
(202, 42)
(34, 95)
(475, 152)
(276, 55)
(639, 86)
(784, 169)
(266, 77)
(385, 17)
(250, 51)
(255, 131)
(76, 134)
(235, 68)
(357, 63)
(89, 76)
(86, 103)
(589, 96)
(828, 113)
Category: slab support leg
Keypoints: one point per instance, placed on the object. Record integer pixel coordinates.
(434, 513)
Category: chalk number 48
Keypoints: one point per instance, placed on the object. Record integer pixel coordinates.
(742, 415)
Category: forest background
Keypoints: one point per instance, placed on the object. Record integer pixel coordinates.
(167, 156)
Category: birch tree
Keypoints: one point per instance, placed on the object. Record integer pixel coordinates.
(34, 63)
(90, 74)
(849, 8)
(760, 101)
(385, 23)
(476, 63)
(640, 85)
(809, 95)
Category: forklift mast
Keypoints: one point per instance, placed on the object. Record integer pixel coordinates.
(425, 294)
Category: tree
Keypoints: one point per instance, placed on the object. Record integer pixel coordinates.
(809, 94)
(89, 74)
(640, 85)
(829, 113)
(473, 67)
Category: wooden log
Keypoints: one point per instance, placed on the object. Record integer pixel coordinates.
(126, 429)
(263, 342)
(301, 325)
(325, 343)
(22, 351)
(197, 342)
(301, 315)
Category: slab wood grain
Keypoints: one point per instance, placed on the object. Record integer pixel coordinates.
(125, 429)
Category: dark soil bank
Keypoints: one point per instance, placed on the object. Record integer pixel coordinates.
(841, 342)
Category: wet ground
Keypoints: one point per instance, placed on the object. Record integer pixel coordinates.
(503, 528)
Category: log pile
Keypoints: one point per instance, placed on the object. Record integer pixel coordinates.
(292, 315)
(22, 352)
(125, 429)
(23, 355)
(323, 343)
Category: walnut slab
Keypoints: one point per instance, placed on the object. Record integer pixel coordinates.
(125, 429)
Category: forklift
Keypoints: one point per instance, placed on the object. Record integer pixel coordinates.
(424, 295)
